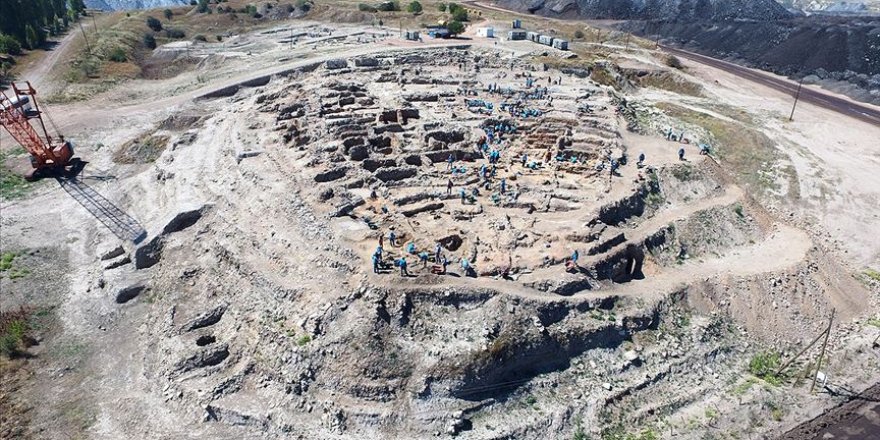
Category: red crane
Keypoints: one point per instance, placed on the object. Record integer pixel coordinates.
(49, 155)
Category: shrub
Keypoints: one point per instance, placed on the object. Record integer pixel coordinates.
(579, 34)
(203, 7)
(674, 62)
(5, 75)
(32, 38)
(154, 24)
(14, 332)
(764, 365)
(414, 8)
(174, 33)
(168, 14)
(117, 55)
(441, 7)
(456, 27)
(8, 44)
(219, 37)
(452, 7)
(366, 8)
(149, 41)
(304, 5)
(389, 6)
(200, 38)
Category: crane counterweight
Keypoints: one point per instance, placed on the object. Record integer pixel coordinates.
(49, 154)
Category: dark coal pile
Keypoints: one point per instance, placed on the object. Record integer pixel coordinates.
(653, 9)
(842, 54)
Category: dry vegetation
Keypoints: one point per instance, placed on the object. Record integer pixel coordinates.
(144, 149)
(750, 153)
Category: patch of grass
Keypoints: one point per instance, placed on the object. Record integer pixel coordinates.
(579, 433)
(711, 414)
(601, 76)
(674, 62)
(145, 149)
(12, 270)
(12, 184)
(683, 172)
(303, 340)
(872, 274)
(15, 332)
(776, 412)
(749, 154)
(745, 386)
(763, 365)
(618, 433)
(654, 199)
(531, 400)
(6, 261)
(873, 321)
(17, 273)
(671, 82)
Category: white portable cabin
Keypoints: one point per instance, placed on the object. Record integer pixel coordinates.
(560, 44)
(516, 35)
(545, 40)
(517, 24)
(412, 35)
(532, 36)
(486, 32)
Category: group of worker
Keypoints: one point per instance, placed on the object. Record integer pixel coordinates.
(440, 260)
(673, 137)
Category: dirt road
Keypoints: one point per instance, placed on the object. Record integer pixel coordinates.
(38, 72)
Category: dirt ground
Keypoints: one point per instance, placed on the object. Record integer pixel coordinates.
(266, 177)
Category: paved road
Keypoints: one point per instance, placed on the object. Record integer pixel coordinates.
(864, 112)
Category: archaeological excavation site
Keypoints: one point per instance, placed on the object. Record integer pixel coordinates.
(321, 229)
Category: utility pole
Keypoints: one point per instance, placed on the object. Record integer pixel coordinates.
(822, 354)
(88, 48)
(797, 95)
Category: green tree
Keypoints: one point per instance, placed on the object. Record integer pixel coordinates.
(168, 14)
(31, 38)
(441, 7)
(5, 72)
(149, 41)
(117, 55)
(414, 8)
(460, 15)
(8, 44)
(456, 27)
(203, 6)
(154, 24)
